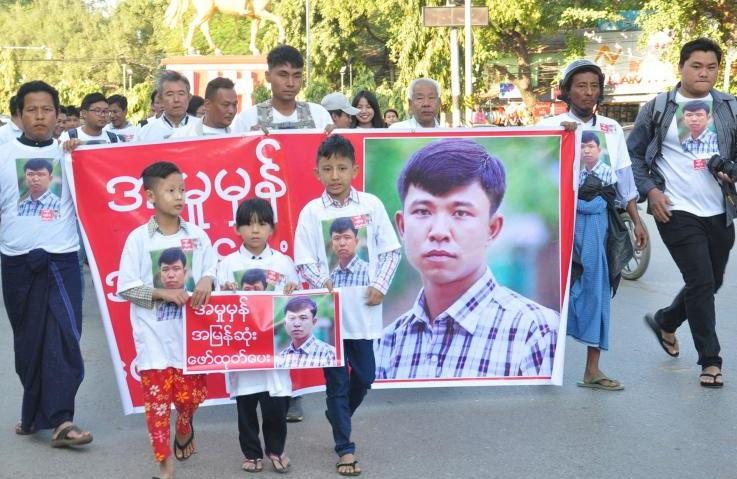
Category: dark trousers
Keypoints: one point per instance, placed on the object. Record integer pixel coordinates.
(273, 419)
(43, 298)
(346, 389)
(700, 247)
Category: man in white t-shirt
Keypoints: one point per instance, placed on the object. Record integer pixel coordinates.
(174, 93)
(12, 129)
(423, 96)
(694, 208)
(95, 112)
(221, 105)
(119, 124)
(41, 279)
(283, 111)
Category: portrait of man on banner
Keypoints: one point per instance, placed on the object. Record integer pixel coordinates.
(171, 270)
(307, 338)
(464, 323)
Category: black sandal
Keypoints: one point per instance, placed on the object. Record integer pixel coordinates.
(182, 448)
(62, 439)
(654, 326)
(348, 464)
(711, 384)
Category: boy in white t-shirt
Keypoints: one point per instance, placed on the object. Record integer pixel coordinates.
(361, 294)
(162, 261)
(257, 267)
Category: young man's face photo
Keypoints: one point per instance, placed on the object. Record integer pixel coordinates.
(299, 325)
(38, 181)
(173, 275)
(257, 286)
(590, 153)
(696, 121)
(344, 245)
(446, 237)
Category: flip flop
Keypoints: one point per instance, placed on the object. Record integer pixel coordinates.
(598, 383)
(182, 448)
(651, 323)
(258, 465)
(62, 438)
(278, 465)
(21, 431)
(348, 464)
(712, 384)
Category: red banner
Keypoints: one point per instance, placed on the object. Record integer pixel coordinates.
(219, 173)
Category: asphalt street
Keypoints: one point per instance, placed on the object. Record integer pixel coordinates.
(663, 425)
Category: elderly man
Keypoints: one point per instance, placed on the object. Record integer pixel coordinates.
(423, 95)
(174, 93)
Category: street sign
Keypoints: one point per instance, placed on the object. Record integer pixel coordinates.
(453, 16)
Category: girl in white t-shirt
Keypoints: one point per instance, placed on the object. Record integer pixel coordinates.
(257, 267)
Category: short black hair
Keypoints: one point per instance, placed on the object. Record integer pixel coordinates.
(158, 171)
(253, 276)
(283, 55)
(444, 165)
(697, 105)
(391, 110)
(336, 145)
(37, 86)
(378, 120)
(154, 94)
(119, 100)
(340, 225)
(172, 255)
(590, 136)
(701, 44)
(72, 110)
(254, 207)
(91, 98)
(13, 104)
(216, 84)
(194, 104)
(37, 164)
(299, 303)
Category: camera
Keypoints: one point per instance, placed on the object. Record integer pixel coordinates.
(719, 164)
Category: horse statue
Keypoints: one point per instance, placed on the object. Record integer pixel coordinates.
(206, 9)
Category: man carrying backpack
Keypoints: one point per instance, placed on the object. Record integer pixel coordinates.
(693, 204)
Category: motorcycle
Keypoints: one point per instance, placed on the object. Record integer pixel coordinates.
(641, 259)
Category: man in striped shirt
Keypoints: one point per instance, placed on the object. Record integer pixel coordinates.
(700, 140)
(591, 159)
(41, 201)
(351, 269)
(463, 324)
(305, 350)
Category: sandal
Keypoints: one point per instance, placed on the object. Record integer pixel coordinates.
(257, 464)
(62, 439)
(654, 326)
(352, 465)
(711, 384)
(21, 431)
(277, 463)
(181, 450)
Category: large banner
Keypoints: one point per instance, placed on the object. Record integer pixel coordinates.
(507, 328)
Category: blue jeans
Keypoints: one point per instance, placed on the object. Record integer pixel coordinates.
(346, 390)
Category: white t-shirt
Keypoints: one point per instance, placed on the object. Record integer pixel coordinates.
(9, 131)
(412, 124)
(102, 139)
(195, 129)
(47, 222)
(688, 182)
(248, 118)
(311, 244)
(126, 134)
(158, 332)
(278, 269)
(161, 128)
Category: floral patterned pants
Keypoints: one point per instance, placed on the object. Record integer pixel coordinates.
(161, 388)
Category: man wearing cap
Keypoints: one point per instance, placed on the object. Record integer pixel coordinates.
(340, 109)
(589, 304)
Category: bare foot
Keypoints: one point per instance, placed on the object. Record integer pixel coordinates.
(348, 465)
(280, 463)
(166, 469)
(711, 376)
(670, 342)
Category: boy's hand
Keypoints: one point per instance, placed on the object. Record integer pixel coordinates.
(71, 145)
(230, 286)
(329, 128)
(328, 284)
(202, 292)
(290, 287)
(374, 297)
(176, 296)
(569, 125)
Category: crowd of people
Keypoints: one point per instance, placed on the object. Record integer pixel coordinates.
(665, 160)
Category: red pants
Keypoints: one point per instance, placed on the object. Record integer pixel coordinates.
(161, 388)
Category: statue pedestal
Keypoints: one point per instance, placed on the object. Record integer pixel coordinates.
(246, 71)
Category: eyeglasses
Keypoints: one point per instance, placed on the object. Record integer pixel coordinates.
(98, 111)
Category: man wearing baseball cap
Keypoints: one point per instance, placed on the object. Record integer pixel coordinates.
(339, 108)
(599, 191)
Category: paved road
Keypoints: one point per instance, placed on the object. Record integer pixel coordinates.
(662, 426)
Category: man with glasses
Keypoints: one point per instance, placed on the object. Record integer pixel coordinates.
(119, 124)
(95, 113)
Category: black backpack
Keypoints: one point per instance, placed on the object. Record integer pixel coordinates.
(72, 132)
